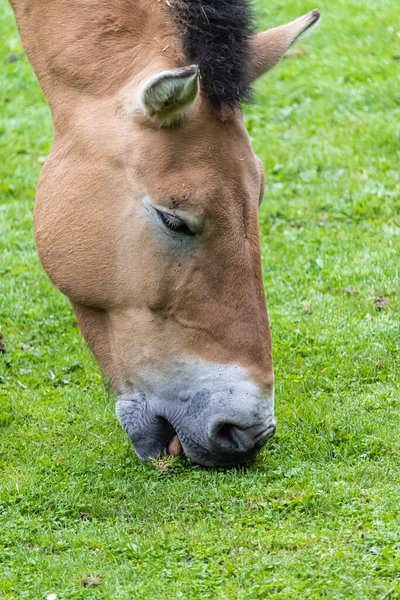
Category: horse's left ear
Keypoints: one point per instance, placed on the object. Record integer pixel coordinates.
(270, 46)
(166, 98)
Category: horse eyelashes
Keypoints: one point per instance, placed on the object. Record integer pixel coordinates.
(174, 223)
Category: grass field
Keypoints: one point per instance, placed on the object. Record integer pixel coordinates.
(318, 514)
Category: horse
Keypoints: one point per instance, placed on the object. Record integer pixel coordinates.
(146, 214)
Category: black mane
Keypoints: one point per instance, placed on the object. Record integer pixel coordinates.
(216, 37)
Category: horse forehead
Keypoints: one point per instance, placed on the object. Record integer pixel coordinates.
(204, 136)
(186, 158)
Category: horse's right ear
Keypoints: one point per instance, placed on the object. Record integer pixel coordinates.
(166, 98)
(270, 46)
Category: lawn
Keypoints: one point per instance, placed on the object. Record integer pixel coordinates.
(317, 515)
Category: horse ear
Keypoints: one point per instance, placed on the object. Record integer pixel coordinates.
(167, 97)
(270, 46)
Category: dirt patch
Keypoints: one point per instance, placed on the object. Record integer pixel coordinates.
(91, 581)
(381, 302)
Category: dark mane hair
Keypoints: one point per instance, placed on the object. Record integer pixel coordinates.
(216, 37)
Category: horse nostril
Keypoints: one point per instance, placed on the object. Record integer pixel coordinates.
(230, 436)
(225, 436)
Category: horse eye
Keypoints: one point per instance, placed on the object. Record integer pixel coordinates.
(174, 223)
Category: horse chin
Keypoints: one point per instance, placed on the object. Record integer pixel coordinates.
(149, 433)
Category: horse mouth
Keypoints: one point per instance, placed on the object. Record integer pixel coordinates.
(154, 436)
(174, 447)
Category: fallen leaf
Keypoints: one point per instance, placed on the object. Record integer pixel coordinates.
(13, 57)
(85, 517)
(307, 307)
(381, 302)
(25, 346)
(350, 291)
(91, 581)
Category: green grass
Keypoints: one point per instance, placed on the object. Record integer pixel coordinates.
(317, 515)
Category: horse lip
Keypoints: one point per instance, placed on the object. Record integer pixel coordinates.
(148, 432)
